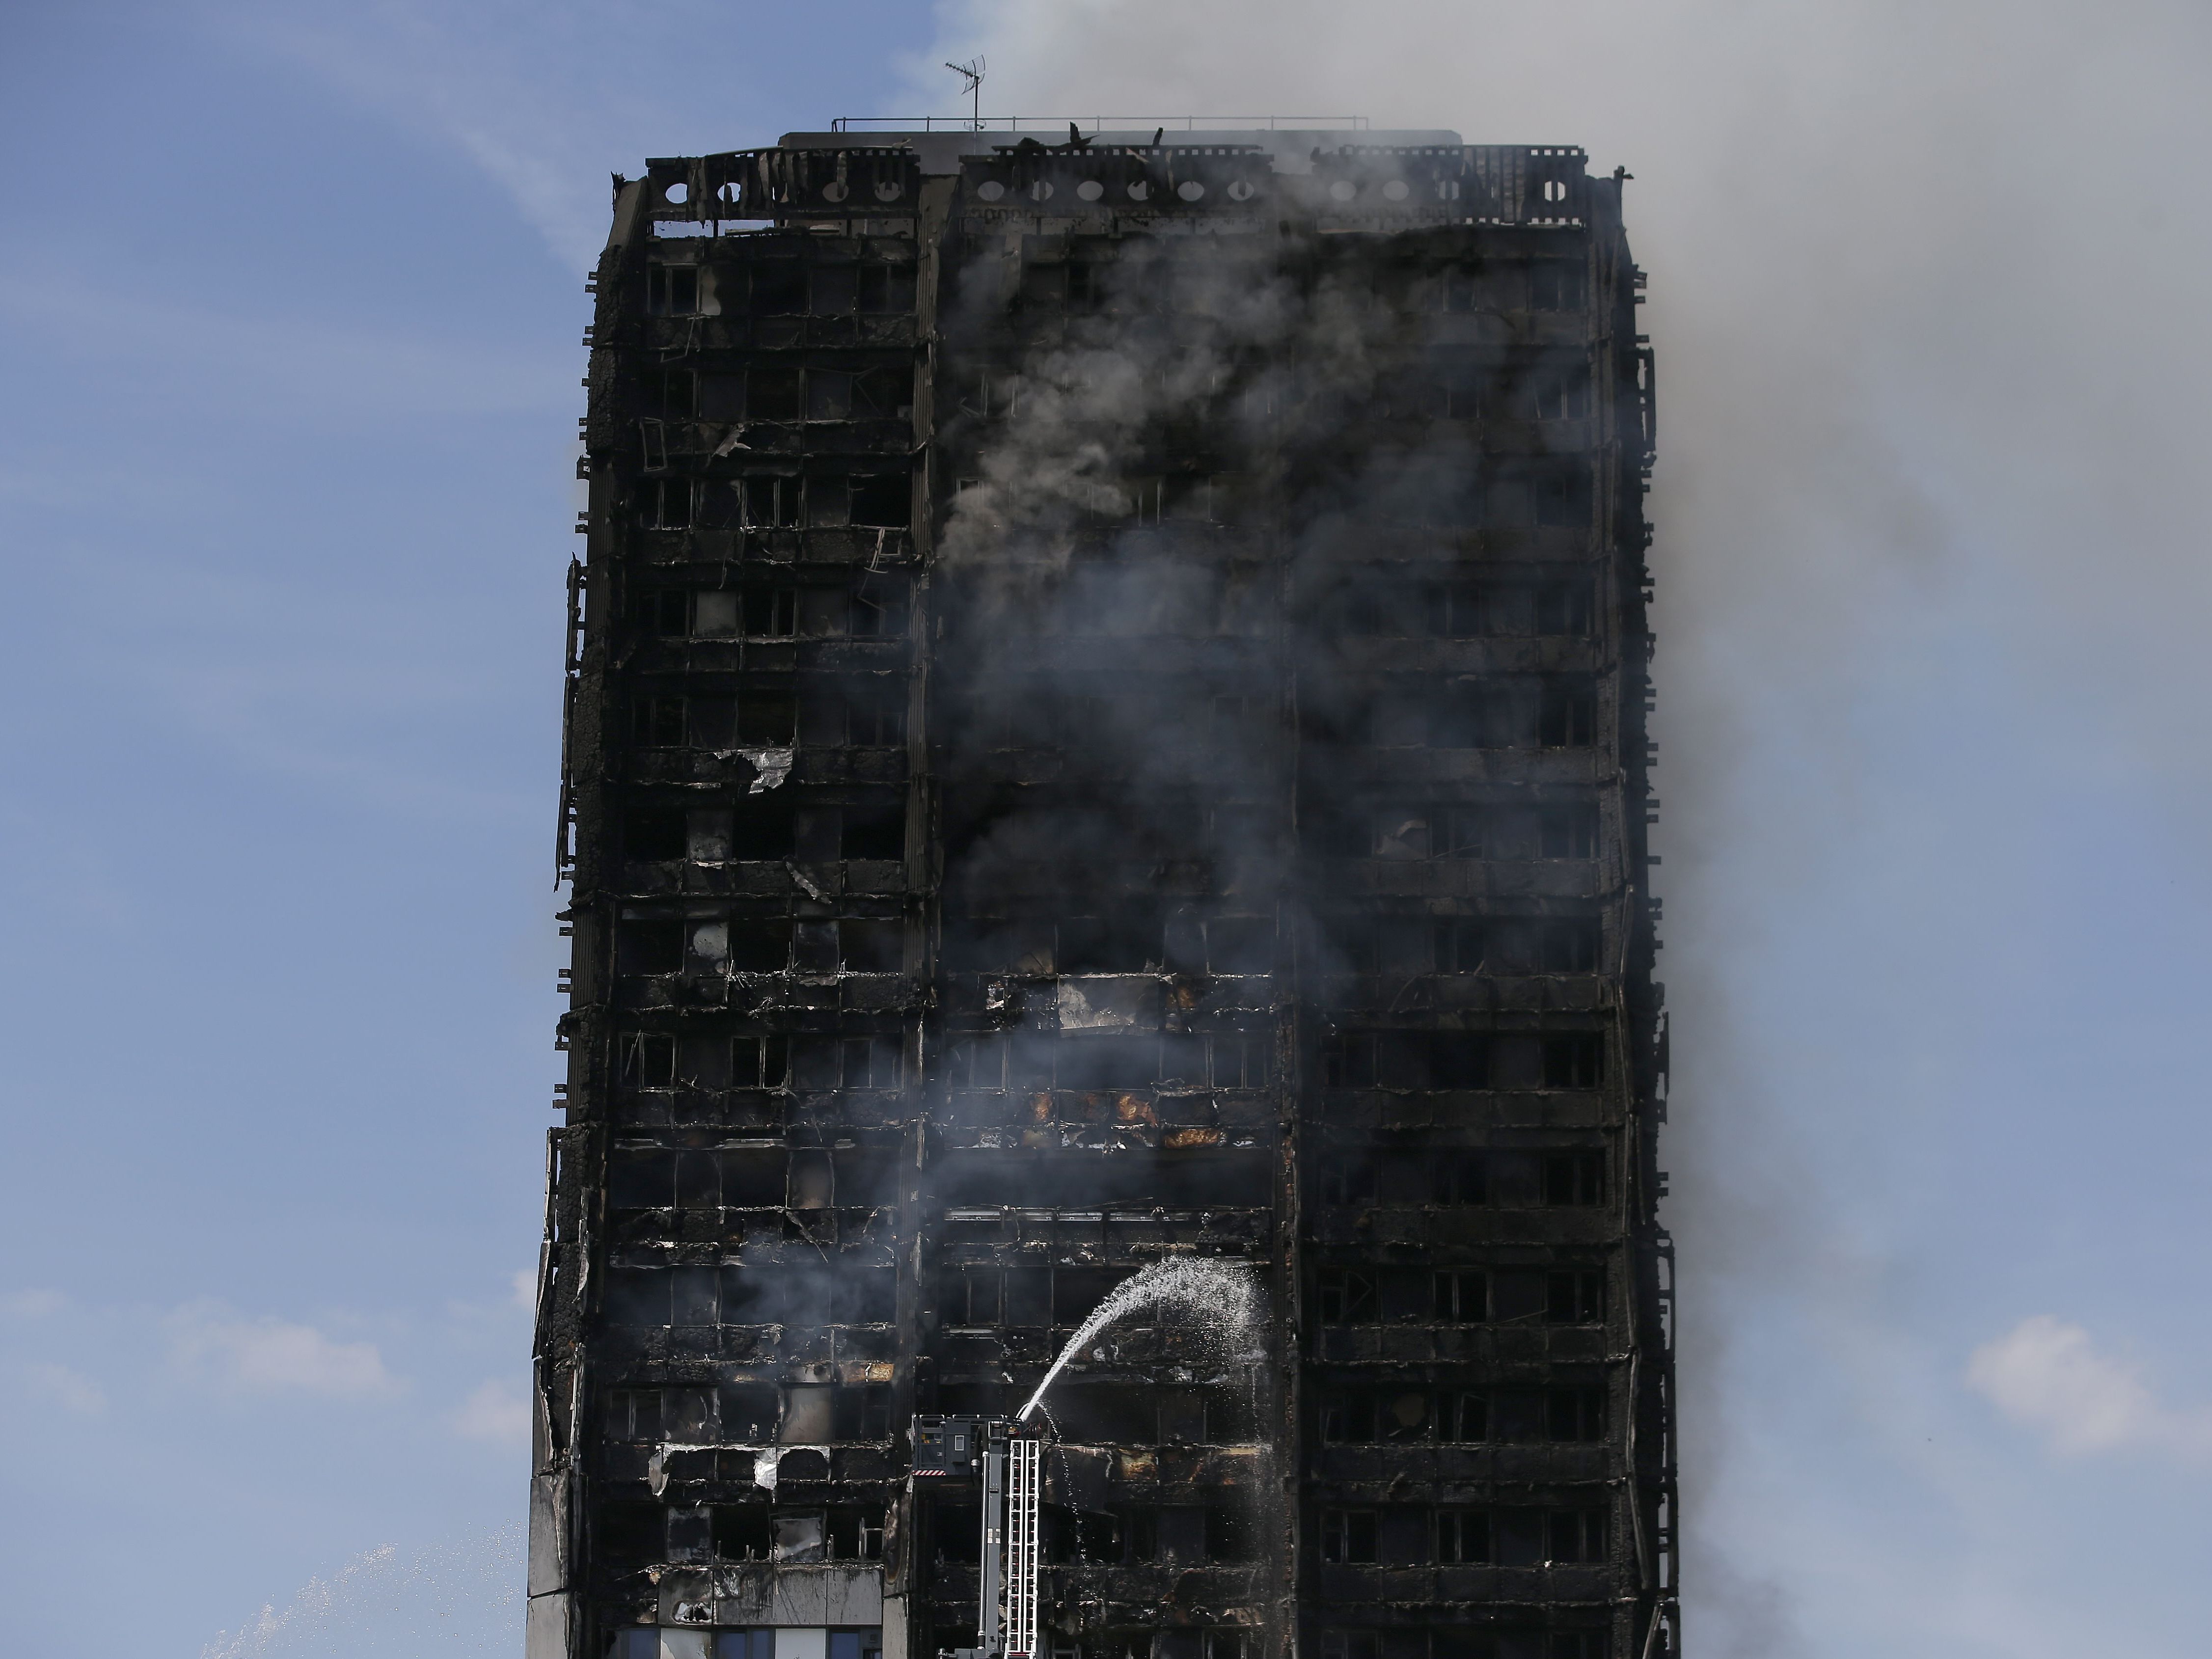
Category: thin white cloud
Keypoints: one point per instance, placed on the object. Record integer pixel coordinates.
(324, 714)
(525, 1289)
(180, 355)
(542, 99)
(69, 1389)
(2049, 1375)
(274, 1355)
(495, 1413)
(32, 1304)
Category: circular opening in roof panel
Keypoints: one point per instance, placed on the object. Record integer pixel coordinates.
(1343, 190)
(1040, 190)
(1242, 190)
(1555, 189)
(990, 189)
(1190, 189)
(676, 194)
(1448, 189)
(1395, 190)
(834, 191)
(1140, 192)
(730, 191)
(1090, 190)
(890, 190)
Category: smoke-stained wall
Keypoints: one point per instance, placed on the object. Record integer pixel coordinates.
(1106, 726)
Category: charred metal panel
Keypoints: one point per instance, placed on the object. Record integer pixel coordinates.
(1106, 723)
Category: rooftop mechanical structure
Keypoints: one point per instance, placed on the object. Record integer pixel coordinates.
(1106, 725)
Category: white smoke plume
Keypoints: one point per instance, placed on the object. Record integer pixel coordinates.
(1927, 413)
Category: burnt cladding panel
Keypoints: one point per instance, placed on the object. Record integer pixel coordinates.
(738, 804)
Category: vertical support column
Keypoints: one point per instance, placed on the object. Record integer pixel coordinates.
(990, 1630)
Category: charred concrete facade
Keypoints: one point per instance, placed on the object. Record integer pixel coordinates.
(1106, 722)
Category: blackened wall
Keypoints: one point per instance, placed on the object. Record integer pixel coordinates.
(1106, 723)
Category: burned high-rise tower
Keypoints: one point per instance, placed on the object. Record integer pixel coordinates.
(1106, 725)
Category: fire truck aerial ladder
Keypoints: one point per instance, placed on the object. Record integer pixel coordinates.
(1008, 1462)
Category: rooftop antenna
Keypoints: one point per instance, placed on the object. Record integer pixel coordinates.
(971, 73)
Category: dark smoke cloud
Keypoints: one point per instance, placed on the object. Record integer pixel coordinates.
(1931, 393)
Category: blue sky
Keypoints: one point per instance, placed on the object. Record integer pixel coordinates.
(290, 308)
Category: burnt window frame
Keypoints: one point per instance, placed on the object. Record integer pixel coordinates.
(1352, 1060)
(1346, 1417)
(672, 288)
(1577, 1414)
(1576, 1295)
(1574, 825)
(1558, 285)
(769, 1065)
(1567, 713)
(1459, 1179)
(1573, 1060)
(1563, 608)
(874, 714)
(896, 285)
(644, 1060)
(1347, 1297)
(768, 613)
(1460, 1535)
(771, 501)
(1455, 1290)
(1349, 1536)
(1460, 944)
(871, 1059)
(668, 394)
(1561, 391)
(1568, 944)
(879, 610)
(1574, 1178)
(1463, 1417)
(1348, 1179)
(1580, 1536)
(667, 503)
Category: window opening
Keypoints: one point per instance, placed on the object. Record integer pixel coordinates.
(1567, 944)
(1347, 1535)
(1556, 285)
(770, 502)
(885, 289)
(877, 613)
(1462, 1177)
(875, 717)
(672, 290)
(872, 1062)
(1574, 1295)
(667, 503)
(1567, 716)
(1564, 609)
(1574, 1061)
(1574, 1178)
(1462, 943)
(1347, 1296)
(1463, 1535)
(1567, 832)
(1462, 1296)
(770, 612)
